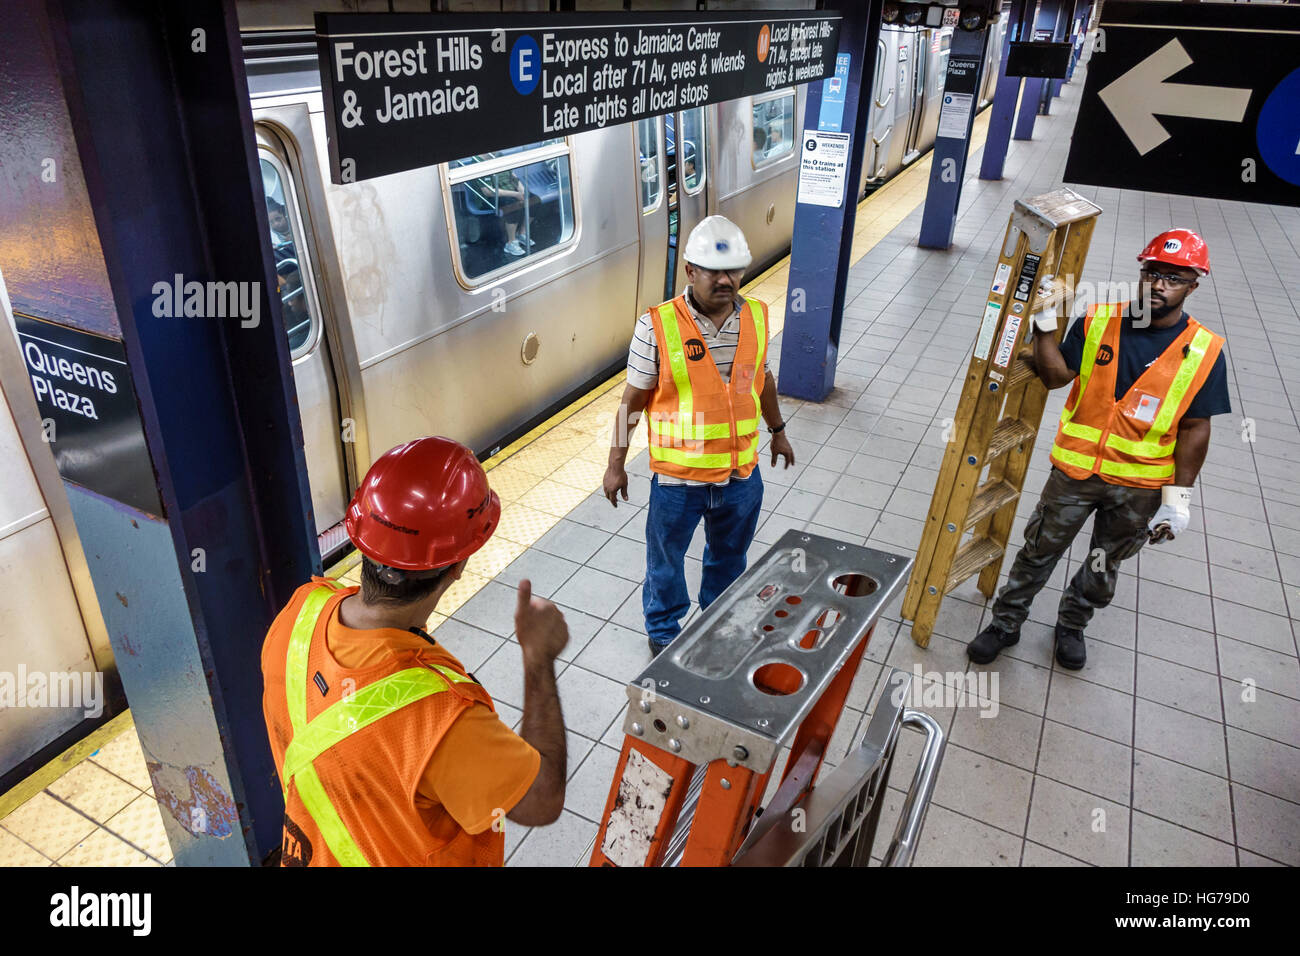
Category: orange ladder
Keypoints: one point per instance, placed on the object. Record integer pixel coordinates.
(1001, 407)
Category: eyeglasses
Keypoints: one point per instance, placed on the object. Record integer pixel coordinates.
(713, 273)
(1173, 281)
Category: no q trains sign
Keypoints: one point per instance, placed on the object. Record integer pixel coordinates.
(409, 90)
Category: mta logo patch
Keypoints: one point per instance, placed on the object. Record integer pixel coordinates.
(1173, 245)
(1105, 354)
(694, 349)
(722, 245)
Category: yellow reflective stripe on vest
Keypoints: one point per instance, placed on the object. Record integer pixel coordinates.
(686, 431)
(1067, 457)
(1086, 432)
(1139, 449)
(750, 425)
(689, 459)
(361, 709)
(1129, 470)
(677, 363)
(1096, 329)
(311, 739)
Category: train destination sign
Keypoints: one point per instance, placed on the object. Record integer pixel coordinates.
(406, 90)
(1193, 99)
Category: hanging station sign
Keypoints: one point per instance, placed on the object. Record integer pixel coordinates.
(406, 90)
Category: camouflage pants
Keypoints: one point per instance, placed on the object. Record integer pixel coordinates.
(1119, 529)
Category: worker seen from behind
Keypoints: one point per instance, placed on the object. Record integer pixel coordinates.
(1146, 378)
(389, 752)
(698, 366)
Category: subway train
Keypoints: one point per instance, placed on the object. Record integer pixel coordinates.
(473, 298)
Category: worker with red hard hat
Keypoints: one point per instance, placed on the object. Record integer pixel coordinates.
(389, 752)
(1146, 378)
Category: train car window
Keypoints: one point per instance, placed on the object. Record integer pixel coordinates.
(510, 205)
(773, 128)
(651, 177)
(291, 266)
(693, 156)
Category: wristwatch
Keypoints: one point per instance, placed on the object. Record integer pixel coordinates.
(777, 430)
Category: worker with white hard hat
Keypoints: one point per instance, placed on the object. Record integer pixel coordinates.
(698, 367)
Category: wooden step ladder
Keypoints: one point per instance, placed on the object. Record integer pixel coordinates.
(1001, 406)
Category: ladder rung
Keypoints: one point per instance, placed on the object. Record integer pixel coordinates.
(972, 557)
(1009, 433)
(989, 497)
(1021, 371)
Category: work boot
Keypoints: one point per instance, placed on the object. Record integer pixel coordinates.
(1070, 652)
(989, 644)
(655, 648)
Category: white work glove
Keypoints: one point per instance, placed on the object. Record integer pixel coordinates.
(1045, 321)
(1171, 519)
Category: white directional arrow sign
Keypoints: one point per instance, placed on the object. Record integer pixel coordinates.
(1137, 96)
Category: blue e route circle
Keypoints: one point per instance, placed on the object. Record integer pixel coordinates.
(525, 65)
(1278, 130)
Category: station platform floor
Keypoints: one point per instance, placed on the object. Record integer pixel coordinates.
(1177, 744)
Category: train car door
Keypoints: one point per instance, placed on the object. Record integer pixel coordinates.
(875, 165)
(652, 194)
(324, 427)
(689, 189)
(914, 69)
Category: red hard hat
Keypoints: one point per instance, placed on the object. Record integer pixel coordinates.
(1178, 247)
(423, 505)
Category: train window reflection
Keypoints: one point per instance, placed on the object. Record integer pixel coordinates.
(773, 129)
(693, 149)
(510, 205)
(290, 267)
(647, 148)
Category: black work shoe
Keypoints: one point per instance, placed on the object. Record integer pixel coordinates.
(655, 648)
(990, 642)
(1070, 652)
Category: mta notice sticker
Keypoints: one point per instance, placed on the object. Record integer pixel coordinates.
(823, 168)
(1001, 277)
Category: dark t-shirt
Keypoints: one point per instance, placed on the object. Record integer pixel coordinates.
(1138, 348)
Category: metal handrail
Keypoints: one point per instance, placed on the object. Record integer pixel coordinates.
(903, 846)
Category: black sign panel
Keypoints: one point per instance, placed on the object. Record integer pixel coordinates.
(90, 417)
(409, 90)
(1193, 99)
(1045, 60)
(963, 73)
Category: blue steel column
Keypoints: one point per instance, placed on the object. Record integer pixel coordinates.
(1003, 110)
(159, 118)
(1060, 33)
(948, 166)
(1033, 92)
(823, 235)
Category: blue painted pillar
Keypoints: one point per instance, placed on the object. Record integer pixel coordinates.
(823, 233)
(189, 493)
(1004, 98)
(1032, 95)
(1060, 30)
(951, 145)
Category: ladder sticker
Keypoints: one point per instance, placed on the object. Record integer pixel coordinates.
(1000, 279)
(1008, 342)
(987, 328)
(642, 794)
(1028, 271)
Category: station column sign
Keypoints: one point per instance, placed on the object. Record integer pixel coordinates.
(404, 91)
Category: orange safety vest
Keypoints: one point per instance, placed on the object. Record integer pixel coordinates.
(701, 427)
(1130, 441)
(350, 745)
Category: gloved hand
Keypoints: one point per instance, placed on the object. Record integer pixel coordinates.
(1045, 321)
(1171, 519)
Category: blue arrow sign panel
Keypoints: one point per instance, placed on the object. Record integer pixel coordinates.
(1195, 100)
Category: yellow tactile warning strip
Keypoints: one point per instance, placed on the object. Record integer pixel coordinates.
(98, 809)
(94, 804)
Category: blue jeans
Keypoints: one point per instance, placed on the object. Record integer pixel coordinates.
(730, 512)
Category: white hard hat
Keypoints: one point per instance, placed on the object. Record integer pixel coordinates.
(718, 243)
